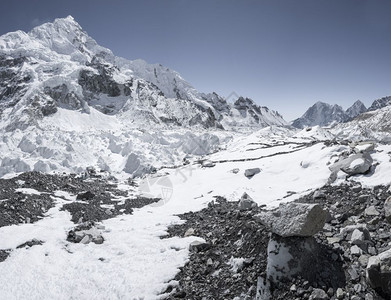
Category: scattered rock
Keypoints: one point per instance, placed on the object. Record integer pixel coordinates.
(189, 232)
(371, 211)
(246, 202)
(199, 246)
(251, 172)
(208, 164)
(85, 196)
(319, 294)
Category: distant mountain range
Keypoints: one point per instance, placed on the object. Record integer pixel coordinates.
(324, 114)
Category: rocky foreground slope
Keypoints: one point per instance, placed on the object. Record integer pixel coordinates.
(211, 234)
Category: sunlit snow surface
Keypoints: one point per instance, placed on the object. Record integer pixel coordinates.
(134, 262)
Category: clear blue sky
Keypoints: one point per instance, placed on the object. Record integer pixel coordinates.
(283, 54)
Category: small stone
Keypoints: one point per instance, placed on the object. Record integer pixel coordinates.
(209, 262)
(85, 196)
(319, 195)
(293, 288)
(357, 237)
(98, 240)
(108, 212)
(235, 171)
(333, 240)
(198, 246)
(355, 250)
(355, 297)
(340, 293)
(356, 188)
(372, 251)
(363, 260)
(353, 274)
(246, 202)
(208, 164)
(189, 232)
(85, 239)
(357, 288)
(319, 294)
(371, 211)
(368, 296)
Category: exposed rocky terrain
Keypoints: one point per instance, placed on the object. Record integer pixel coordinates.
(235, 251)
(92, 198)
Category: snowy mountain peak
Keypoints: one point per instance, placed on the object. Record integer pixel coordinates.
(322, 114)
(65, 36)
(356, 109)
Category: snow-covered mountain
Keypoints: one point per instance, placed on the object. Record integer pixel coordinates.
(380, 103)
(57, 65)
(324, 114)
(67, 102)
(372, 125)
(356, 109)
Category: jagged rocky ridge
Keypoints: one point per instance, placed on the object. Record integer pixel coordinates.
(324, 114)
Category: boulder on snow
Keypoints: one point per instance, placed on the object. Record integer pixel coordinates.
(379, 273)
(251, 172)
(294, 219)
(246, 202)
(357, 164)
(208, 164)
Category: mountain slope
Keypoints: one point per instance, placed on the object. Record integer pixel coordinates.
(58, 65)
(67, 103)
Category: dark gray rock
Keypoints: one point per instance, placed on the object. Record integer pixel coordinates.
(246, 202)
(251, 172)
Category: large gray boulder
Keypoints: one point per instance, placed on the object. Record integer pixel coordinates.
(294, 219)
(379, 272)
(355, 164)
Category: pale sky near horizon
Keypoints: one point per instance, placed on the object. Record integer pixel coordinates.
(284, 54)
